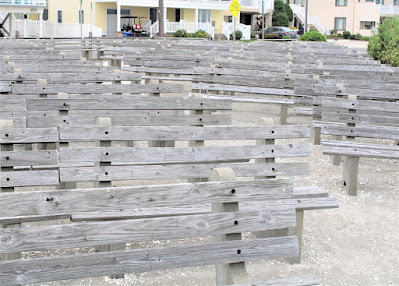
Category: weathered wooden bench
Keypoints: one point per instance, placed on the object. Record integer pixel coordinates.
(359, 119)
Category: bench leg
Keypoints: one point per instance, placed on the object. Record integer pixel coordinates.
(283, 114)
(351, 167)
(316, 135)
(231, 273)
(336, 158)
(299, 232)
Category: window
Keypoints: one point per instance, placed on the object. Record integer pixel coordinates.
(340, 23)
(204, 16)
(395, 2)
(177, 15)
(369, 0)
(59, 16)
(45, 14)
(341, 2)
(81, 16)
(367, 25)
(228, 19)
(379, 2)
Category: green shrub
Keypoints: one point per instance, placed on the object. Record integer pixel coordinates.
(238, 35)
(384, 46)
(272, 36)
(314, 36)
(358, 36)
(289, 12)
(200, 34)
(286, 37)
(365, 38)
(280, 19)
(253, 34)
(181, 33)
(333, 32)
(352, 37)
(346, 34)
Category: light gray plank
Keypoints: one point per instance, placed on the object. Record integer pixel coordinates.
(142, 103)
(161, 228)
(122, 199)
(28, 158)
(384, 132)
(12, 105)
(161, 155)
(357, 149)
(243, 89)
(364, 105)
(87, 133)
(292, 281)
(96, 88)
(119, 262)
(29, 178)
(146, 120)
(362, 119)
(28, 135)
(150, 172)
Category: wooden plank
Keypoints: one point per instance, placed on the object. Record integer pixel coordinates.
(119, 262)
(363, 105)
(364, 93)
(362, 119)
(96, 88)
(12, 105)
(28, 135)
(243, 89)
(292, 281)
(150, 172)
(384, 132)
(357, 149)
(5, 87)
(161, 228)
(161, 155)
(29, 178)
(122, 199)
(248, 99)
(89, 133)
(146, 120)
(142, 103)
(28, 158)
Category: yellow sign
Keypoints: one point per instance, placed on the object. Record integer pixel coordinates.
(235, 7)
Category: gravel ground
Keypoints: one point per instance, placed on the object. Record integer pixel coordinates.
(356, 244)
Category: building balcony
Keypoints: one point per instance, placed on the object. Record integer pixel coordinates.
(388, 10)
(24, 3)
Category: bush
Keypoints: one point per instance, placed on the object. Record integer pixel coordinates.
(352, 37)
(200, 34)
(333, 32)
(286, 38)
(238, 35)
(289, 12)
(280, 19)
(181, 33)
(385, 45)
(314, 36)
(358, 36)
(346, 34)
(253, 34)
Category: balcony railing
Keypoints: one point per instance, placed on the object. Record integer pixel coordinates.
(41, 3)
(388, 10)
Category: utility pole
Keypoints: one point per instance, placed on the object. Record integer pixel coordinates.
(161, 21)
(306, 16)
(263, 19)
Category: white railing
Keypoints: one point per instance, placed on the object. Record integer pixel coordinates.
(388, 10)
(228, 29)
(299, 11)
(172, 27)
(55, 30)
(154, 29)
(147, 27)
(24, 2)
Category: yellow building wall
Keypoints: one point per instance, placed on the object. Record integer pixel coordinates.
(33, 17)
(170, 14)
(218, 17)
(140, 12)
(100, 15)
(70, 11)
(189, 15)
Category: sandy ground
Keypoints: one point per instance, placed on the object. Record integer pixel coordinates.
(354, 44)
(356, 244)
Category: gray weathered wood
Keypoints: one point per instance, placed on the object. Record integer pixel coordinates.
(358, 149)
(28, 158)
(120, 262)
(29, 178)
(293, 281)
(28, 135)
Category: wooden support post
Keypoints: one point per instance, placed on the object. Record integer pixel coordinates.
(106, 121)
(298, 231)
(197, 143)
(351, 167)
(231, 273)
(283, 114)
(8, 147)
(336, 158)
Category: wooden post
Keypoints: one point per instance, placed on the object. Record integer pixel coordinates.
(161, 21)
(106, 121)
(8, 147)
(351, 167)
(231, 273)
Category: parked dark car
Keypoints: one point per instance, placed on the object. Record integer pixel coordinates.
(281, 32)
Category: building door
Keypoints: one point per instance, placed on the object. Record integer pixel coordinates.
(112, 20)
(153, 15)
(177, 18)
